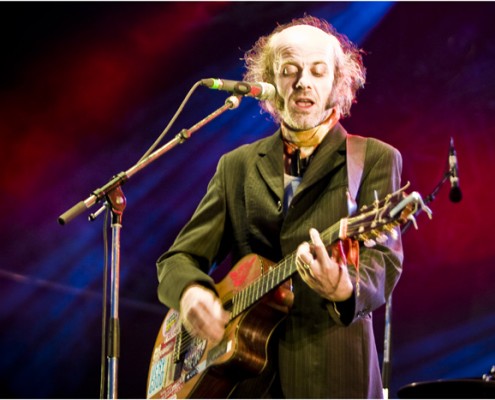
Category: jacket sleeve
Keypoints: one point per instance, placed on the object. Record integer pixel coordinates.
(380, 266)
(197, 246)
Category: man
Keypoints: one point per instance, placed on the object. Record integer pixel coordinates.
(265, 197)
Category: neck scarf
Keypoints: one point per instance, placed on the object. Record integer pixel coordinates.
(299, 145)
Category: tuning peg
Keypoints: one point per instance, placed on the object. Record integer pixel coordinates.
(369, 243)
(390, 228)
(381, 238)
(394, 234)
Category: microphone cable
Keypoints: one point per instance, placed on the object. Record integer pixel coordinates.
(172, 121)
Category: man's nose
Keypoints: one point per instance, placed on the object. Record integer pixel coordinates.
(304, 80)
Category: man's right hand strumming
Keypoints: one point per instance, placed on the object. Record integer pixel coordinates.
(202, 313)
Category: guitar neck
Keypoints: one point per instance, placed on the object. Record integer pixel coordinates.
(372, 223)
(275, 275)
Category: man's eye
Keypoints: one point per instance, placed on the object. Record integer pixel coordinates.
(320, 70)
(289, 70)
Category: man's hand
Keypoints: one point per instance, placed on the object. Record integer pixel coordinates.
(202, 313)
(321, 272)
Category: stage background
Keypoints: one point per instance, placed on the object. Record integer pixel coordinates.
(86, 88)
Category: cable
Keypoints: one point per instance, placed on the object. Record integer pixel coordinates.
(174, 118)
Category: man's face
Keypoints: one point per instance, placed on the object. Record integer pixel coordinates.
(304, 75)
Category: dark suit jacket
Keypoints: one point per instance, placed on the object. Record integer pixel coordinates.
(325, 350)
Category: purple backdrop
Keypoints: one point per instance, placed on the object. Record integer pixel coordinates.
(85, 89)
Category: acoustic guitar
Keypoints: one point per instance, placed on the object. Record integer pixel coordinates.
(257, 295)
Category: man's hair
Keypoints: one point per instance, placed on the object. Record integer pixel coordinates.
(349, 74)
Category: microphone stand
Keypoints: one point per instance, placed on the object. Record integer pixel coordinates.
(114, 196)
(388, 307)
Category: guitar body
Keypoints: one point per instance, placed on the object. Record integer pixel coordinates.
(206, 371)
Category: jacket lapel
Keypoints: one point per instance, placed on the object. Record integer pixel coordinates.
(270, 164)
(329, 156)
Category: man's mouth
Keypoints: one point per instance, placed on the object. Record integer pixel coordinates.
(304, 103)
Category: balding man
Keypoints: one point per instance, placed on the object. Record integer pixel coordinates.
(273, 198)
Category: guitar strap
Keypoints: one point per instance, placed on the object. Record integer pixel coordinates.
(355, 155)
(356, 151)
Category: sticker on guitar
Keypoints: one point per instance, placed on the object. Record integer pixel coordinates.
(177, 359)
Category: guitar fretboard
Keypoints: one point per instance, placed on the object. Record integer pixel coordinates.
(275, 275)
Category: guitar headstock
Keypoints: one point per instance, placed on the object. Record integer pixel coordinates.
(374, 222)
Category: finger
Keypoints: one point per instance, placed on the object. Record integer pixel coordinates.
(303, 254)
(187, 326)
(212, 322)
(320, 253)
(319, 248)
(304, 268)
(220, 319)
(204, 330)
(303, 251)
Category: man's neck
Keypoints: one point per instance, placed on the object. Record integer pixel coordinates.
(308, 140)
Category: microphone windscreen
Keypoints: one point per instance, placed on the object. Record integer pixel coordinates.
(455, 195)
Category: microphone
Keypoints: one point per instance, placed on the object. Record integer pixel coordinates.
(455, 194)
(258, 90)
